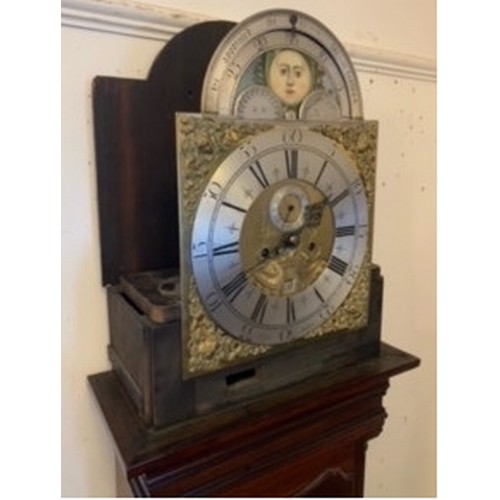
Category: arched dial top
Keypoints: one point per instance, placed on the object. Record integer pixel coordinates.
(269, 65)
(279, 236)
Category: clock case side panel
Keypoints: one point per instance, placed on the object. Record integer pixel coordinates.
(134, 131)
(134, 136)
(145, 356)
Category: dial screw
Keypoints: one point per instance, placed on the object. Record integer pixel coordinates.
(292, 240)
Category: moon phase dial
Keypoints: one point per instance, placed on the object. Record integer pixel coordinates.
(269, 64)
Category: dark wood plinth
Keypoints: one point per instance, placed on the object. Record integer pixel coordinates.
(306, 440)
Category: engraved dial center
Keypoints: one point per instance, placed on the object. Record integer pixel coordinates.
(283, 249)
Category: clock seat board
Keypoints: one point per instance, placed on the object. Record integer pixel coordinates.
(309, 439)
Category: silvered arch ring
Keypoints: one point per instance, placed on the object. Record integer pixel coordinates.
(278, 29)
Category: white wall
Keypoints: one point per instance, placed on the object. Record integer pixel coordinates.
(392, 43)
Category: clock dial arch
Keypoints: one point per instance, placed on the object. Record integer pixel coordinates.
(244, 57)
(279, 236)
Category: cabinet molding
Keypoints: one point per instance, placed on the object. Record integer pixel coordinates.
(156, 22)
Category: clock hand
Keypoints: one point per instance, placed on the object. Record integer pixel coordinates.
(266, 255)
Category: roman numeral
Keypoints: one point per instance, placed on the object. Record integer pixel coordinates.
(337, 265)
(290, 310)
(232, 289)
(291, 158)
(213, 301)
(234, 207)
(338, 198)
(200, 256)
(285, 335)
(260, 309)
(258, 172)
(226, 249)
(322, 169)
(344, 231)
(320, 297)
(199, 250)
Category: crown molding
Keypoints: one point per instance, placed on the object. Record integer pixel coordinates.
(390, 63)
(153, 21)
(127, 17)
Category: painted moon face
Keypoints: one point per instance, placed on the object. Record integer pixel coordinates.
(290, 77)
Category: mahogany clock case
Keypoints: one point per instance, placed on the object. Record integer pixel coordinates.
(139, 236)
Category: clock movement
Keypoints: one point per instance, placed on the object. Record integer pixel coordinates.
(236, 200)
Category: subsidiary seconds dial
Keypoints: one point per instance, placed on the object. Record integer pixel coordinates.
(279, 236)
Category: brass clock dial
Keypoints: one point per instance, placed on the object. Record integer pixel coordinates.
(293, 56)
(276, 224)
(279, 236)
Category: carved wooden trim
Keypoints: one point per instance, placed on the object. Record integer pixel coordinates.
(157, 22)
(331, 479)
(275, 445)
(127, 17)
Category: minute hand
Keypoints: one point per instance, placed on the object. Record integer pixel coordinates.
(315, 211)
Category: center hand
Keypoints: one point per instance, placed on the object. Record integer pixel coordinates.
(266, 255)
